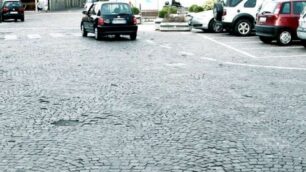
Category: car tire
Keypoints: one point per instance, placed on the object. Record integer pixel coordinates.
(22, 18)
(218, 11)
(84, 32)
(265, 40)
(243, 27)
(284, 38)
(133, 36)
(16, 20)
(215, 27)
(97, 34)
(303, 43)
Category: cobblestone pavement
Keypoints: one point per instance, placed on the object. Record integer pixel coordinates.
(69, 103)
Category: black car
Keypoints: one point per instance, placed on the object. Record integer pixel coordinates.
(11, 9)
(109, 18)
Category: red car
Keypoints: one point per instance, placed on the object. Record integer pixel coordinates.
(279, 20)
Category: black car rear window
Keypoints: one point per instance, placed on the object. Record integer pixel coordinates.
(116, 8)
(12, 4)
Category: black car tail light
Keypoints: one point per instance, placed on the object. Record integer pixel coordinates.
(21, 10)
(134, 20)
(5, 10)
(100, 21)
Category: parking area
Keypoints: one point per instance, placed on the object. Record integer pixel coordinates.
(251, 52)
(169, 101)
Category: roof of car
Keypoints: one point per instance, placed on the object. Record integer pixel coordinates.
(11, 1)
(109, 2)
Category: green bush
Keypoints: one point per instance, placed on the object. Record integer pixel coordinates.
(209, 5)
(135, 11)
(195, 9)
(166, 11)
(162, 14)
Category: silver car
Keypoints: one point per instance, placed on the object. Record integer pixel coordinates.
(301, 30)
(205, 21)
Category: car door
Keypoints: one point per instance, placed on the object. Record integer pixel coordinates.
(89, 20)
(285, 14)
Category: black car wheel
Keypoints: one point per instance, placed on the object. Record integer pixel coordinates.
(243, 27)
(215, 26)
(22, 18)
(16, 20)
(133, 36)
(265, 40)
(284, 37)
(84, 32)
(218, 11)
(303, 43)
(97, 34)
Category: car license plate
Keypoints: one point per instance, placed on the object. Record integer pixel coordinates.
(262, 19)
(119, 21)
(13, 12)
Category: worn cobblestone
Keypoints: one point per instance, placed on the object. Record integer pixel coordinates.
(113, 105)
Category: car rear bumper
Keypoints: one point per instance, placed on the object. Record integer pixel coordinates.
(267, 31)
(12, 16)
(108, 30)
(301, 33)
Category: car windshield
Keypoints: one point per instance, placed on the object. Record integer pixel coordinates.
(268, 7)
(116, 8)
(11, 4)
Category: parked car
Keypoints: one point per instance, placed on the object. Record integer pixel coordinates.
(279, 20)
(205, 21)
(237, 16)
(109, 18)
(301, 30)
(11, 9)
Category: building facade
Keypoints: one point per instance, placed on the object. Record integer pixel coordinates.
(65, 4)
(52, 5)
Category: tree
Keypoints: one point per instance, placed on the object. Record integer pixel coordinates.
(135, 11)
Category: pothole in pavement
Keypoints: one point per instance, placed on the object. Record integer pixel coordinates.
(65, 123)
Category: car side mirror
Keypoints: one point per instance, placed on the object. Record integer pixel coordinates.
(85, 12)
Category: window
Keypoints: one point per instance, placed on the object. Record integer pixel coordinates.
(286, 8)
(231, 3)
(116, 8)
(12, 4)
(250, 4)
(298, 7)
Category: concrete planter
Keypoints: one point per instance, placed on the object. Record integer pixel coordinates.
(172, 26)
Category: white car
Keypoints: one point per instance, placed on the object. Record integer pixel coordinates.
(237, 16)
(301, 30)
(205, 21)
